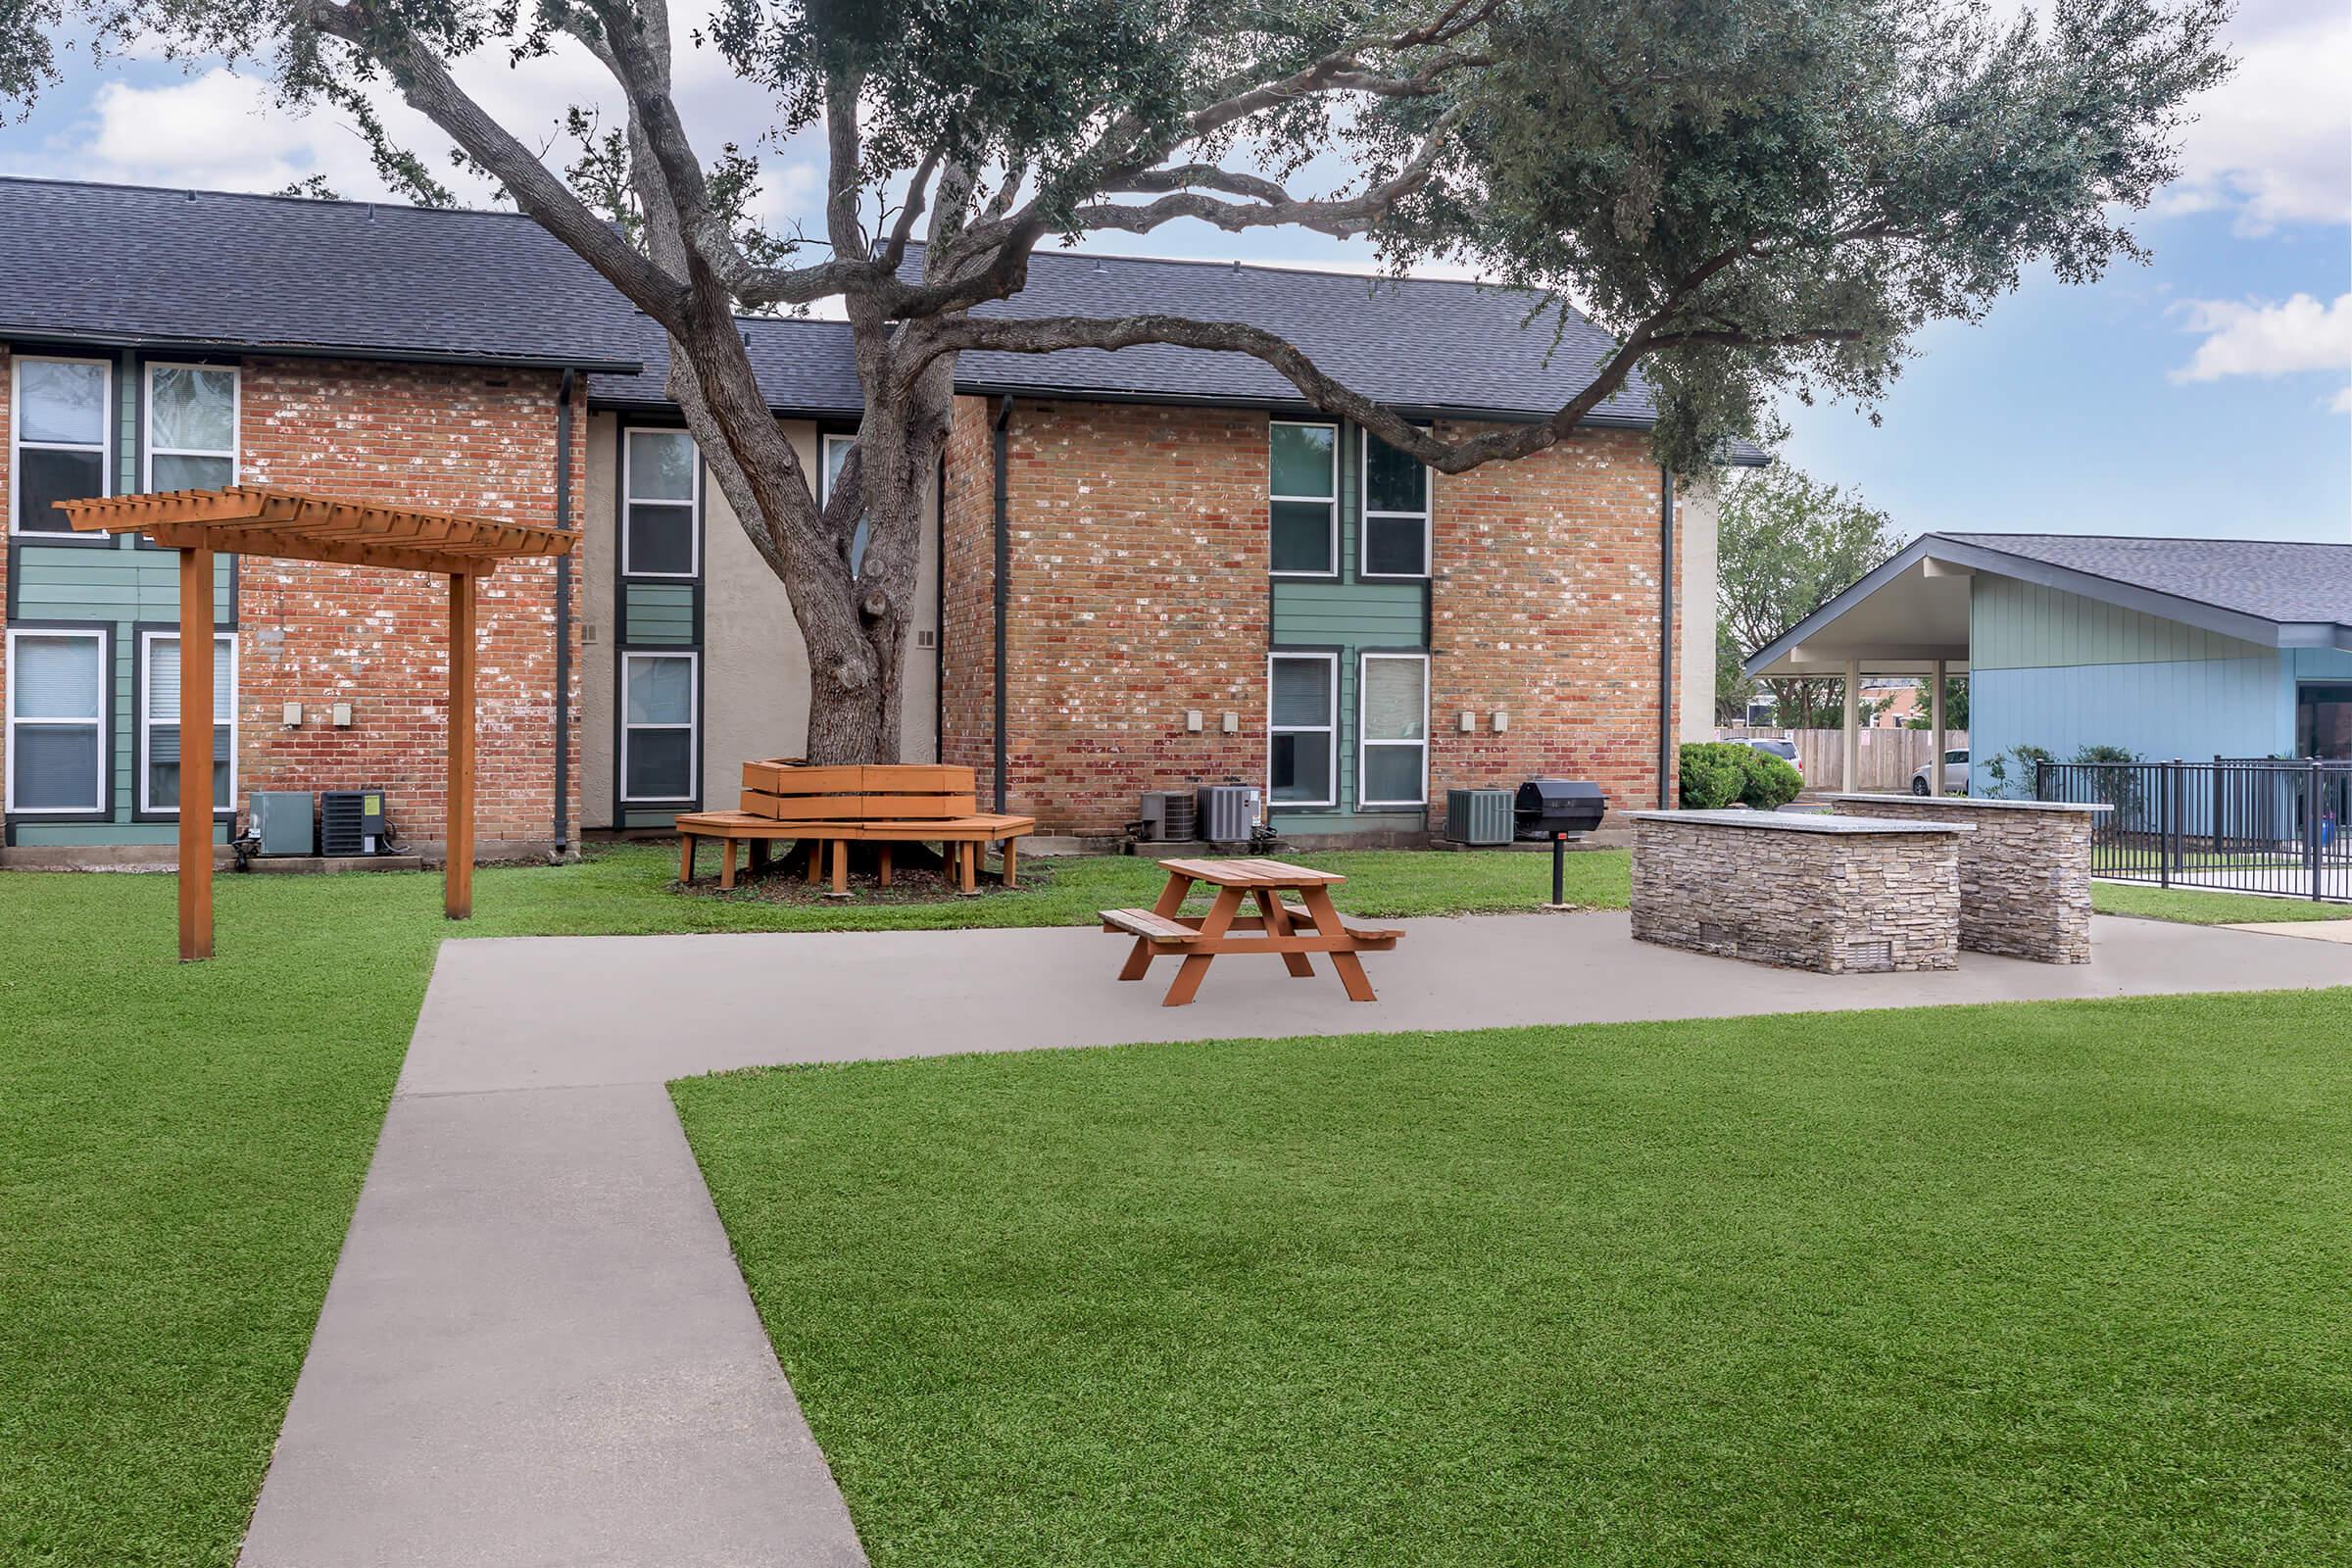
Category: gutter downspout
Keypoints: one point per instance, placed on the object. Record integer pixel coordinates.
(1665, 638)
(1004, 566)
(564, 394)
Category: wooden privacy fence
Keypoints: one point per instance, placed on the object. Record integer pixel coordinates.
(1890, 757)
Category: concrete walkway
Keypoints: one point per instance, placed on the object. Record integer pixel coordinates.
(537, 1348)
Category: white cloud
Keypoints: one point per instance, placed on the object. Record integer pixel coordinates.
(2265, 340)
(2275, 141)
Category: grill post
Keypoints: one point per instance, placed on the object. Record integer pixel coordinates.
(1560, 870)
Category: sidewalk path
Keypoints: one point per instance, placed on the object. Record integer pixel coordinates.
(537, 1350)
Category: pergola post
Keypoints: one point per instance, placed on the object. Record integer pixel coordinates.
(1935, 722)
(456, 871)
(1853, 753)
(195, 755)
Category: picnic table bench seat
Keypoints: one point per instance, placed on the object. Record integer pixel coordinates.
(828, 809)
(1280, 928)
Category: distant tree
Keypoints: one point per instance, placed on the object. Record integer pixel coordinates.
(1753, 199)
(1787, 544)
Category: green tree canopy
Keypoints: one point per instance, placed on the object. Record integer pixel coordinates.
(1754, 198)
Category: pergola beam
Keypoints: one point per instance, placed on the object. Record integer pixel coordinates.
(337, 552)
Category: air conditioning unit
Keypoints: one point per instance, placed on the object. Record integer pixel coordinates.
(1479, 816)
(1170, 817)
(1228, 812)
(351, 822)
(285, 821)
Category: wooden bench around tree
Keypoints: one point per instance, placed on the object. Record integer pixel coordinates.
(826, 810)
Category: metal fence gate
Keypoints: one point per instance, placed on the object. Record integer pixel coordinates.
(2244, 824)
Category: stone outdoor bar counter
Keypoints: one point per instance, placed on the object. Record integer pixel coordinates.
(2025, 873)
(1841, 895)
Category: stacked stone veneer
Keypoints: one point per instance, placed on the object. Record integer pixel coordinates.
(2025, 873)
(1799, 892)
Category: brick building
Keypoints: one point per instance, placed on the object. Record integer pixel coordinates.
(1204, 579)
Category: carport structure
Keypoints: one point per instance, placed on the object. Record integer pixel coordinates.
(259, 520)
(1908, 617)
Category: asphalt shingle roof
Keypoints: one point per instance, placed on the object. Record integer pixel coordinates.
(804, 368)
(2270, 579)
(122, 263)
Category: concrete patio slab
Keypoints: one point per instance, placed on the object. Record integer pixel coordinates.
(2314, 930)
(537, 1348)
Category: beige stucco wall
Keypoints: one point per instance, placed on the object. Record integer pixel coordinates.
(754, 666)
(1694, 695)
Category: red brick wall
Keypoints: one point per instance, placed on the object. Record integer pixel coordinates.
(968, 607)
(1138, 592)
(438, 439)
(1544, 605)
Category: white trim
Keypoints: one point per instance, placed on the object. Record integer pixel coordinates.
(144, 688)
(1364, 742)
(1367, 512)
(1330, 730)
(693, 726)
(1332, 501)
(824, 464)
(108, 418)
(693, 504)
(149, 451)
(102, 639)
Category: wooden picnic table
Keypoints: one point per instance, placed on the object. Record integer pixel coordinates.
(1290, 931)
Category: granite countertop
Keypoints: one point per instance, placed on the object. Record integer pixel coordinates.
(1802, 822)
(1973, 802)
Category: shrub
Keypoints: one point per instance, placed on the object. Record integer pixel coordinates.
(1712, 775)
(2012, 771)
(1767, 782)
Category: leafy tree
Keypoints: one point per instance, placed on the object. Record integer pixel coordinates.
(1955, 704)
(1754, 198)
(1786, 545)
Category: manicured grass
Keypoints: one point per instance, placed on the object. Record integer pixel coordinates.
(2205, 906)
(2041, 1284)
(180, 1147)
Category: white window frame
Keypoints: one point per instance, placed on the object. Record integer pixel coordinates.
(145, 689)
(824, 493)
(1364, 541)
(693, 504)
(693, 726)
(105, 438)
(102, 639)
(149, 451)
(1331, 501)
(1330, 730)
(1364, 744)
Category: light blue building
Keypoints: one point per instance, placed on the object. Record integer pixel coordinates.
(2165, 647)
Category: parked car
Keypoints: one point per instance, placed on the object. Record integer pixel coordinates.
(1786, 751)
(1955, 775)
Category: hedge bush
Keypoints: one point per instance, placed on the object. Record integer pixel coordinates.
(1768, 782)
(1718, 773)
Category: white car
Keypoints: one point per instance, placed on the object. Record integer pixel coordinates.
(1955, 775)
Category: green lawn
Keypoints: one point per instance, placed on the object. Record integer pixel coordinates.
(180, 1147)
(2205, 906)
(2044, 1284)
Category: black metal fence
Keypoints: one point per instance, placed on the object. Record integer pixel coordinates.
(2244, 824)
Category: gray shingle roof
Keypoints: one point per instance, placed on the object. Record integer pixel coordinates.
(107, 264)
(2270, 579)
(804, 368)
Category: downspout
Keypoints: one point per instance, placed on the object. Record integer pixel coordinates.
(1665, 637)
(1001, 425)
(563, 393)
(939, 612)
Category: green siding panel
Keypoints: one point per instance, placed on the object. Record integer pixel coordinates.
(63, 582)
(32, 833)
(2024, 625)
(1372, 615)
(658, 614)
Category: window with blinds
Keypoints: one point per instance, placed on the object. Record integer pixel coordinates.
(159, 723)
(1393, 729)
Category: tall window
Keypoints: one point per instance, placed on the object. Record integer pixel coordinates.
(661, 489)
(1395, 541)
(1303, 729)
(191, 426)
(1392, 727)
(159, 723)
(658, 729)
(59, 435)
(1304, 521)
(837, 453)
(55, 720)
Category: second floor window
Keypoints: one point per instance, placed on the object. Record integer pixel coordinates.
(661, 490)
(191, 426)
(59, 432)
(1305, 501)
(1395, 541)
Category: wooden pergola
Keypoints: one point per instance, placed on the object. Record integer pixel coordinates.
(259, 521)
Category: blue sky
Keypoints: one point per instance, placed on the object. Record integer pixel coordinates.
(2209, 393)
